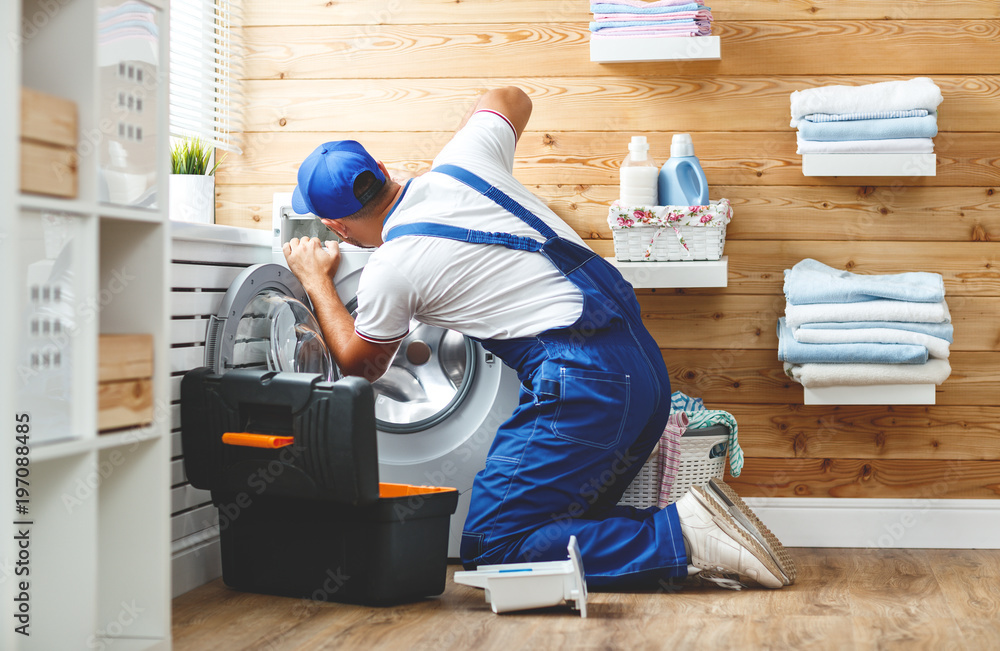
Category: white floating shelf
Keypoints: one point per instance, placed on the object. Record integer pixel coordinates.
(882, 394)
(869, 164)
(61, 449)
(668, 48)
(660, 275)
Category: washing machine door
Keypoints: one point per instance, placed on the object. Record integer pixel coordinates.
(266, 322)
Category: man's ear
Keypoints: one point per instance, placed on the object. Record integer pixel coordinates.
(335, 225)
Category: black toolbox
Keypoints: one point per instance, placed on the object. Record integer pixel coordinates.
(292, 464)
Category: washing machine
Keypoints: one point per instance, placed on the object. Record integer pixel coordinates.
(437, 407)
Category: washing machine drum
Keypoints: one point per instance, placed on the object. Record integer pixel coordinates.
(427, 380)
(265, 322)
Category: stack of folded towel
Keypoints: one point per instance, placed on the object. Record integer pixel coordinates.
(891, 117)
(842, 328)
(635, 18)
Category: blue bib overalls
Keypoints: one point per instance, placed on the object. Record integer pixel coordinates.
(594, 400)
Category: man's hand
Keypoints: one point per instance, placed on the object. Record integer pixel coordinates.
(313, 262)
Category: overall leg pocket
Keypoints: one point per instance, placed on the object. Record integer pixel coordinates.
(593, 407)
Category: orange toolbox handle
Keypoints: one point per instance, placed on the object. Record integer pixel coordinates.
(249, 440)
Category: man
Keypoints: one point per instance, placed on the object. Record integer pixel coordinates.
(467, 247)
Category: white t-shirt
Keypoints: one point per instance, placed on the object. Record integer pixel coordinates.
(485, 291)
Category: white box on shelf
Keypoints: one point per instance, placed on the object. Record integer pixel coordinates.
(52, 380)
(660, 275)
(128, 71)
(667, 48)
(869, 164)
(883, 394)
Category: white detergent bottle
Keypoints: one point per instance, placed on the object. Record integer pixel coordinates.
(638, 175)
(682, 181)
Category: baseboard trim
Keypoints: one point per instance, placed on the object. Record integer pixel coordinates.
(881, 523)
(195, 561)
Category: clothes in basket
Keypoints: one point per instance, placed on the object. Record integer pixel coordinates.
(693, 448)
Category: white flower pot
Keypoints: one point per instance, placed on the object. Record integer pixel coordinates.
(192, 198)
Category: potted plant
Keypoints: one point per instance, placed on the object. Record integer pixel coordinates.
(192, 181)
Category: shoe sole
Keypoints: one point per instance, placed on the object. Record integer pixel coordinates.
(724, 519)
(745, 516)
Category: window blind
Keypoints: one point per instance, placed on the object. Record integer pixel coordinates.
(205, 68)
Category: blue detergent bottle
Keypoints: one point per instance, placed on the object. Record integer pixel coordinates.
(682, 181)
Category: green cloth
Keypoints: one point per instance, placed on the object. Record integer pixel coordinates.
(707, 417)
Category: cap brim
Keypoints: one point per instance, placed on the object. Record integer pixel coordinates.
(299, 203)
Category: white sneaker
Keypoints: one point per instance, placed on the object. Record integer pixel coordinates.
(747, 519)
(715, 542)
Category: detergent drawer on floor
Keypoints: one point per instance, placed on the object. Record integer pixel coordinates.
(392, 551)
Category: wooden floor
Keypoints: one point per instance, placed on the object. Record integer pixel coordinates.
(844, 599)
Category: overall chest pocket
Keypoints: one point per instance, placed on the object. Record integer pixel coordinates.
(592, 407)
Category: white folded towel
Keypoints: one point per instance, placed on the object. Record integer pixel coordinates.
(936, 346)
(887, 146)
(919, 93)
(796, 315)
(935, 371)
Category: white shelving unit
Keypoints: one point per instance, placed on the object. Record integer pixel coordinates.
(671, 48)
(869, 164)
(95, 264)
(883, 394)
(664, 275)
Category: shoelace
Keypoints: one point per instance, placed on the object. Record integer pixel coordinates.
(721, 580)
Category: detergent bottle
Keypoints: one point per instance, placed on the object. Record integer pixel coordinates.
(638, 175)
(682, 181)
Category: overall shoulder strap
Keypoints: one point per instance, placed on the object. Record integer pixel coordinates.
(447, 232)
(479, 237)
(497, 196)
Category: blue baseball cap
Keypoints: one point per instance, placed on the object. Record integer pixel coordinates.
(327, 180)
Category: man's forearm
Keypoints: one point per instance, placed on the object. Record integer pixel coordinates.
(334, 319)
(352, 355)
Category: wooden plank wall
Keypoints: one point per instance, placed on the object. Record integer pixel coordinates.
(398, 75)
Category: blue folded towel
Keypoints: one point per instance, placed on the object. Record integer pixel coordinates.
(796, 352)
(944, 331)
(925, 127)
(609, 8)
(811, 281)
(605, 24)
(871, 115)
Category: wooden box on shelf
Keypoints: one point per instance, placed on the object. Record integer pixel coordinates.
(48, 144)
(125, 381)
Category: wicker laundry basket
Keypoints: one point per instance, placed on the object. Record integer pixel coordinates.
(669, 233)
(703, 456)
(704, 243)
(644, 490)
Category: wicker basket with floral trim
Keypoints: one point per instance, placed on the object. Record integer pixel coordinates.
(669, 233)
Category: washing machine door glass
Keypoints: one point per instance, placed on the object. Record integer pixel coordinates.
(427, 380)
(279, 332)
